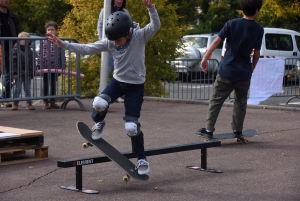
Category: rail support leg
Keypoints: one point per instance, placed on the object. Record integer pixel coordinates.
(204, 163)
(78, 188)
(204, 158)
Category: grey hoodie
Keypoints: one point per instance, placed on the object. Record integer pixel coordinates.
(129, 60)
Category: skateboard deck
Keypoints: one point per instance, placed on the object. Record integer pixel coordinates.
(246, 133)
(111, 152)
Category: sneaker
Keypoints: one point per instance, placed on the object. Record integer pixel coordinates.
(237, 134)
(15, 106)
(98, 130)
(203, 132)
(142, 166)
(6, 104)
(29, 106)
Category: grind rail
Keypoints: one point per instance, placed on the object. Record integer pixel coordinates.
(79, 162)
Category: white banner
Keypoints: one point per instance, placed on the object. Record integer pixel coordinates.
(266, 79)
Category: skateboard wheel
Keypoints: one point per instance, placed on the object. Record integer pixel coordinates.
(237, 139)
(246, 141)
(85, 145)
(126, 178)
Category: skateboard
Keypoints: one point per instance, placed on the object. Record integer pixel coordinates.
(246, 133)
(111, 152)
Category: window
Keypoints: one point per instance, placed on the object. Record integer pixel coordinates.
(282, 42)
(298, 42)
(286, 42)
(271, 42)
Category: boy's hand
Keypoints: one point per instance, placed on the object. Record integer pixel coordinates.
(54, 39)
(204, 65)
(148, 3)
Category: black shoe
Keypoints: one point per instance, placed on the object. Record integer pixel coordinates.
(237, 134)
(203, 132)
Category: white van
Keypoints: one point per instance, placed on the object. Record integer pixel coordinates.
(282, 43)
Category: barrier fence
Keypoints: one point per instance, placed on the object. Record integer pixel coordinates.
(191, 84)
(52, 74)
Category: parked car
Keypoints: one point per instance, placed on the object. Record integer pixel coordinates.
(281, 43)
(188, 65)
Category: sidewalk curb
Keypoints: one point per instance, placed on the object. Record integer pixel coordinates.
(206, 102)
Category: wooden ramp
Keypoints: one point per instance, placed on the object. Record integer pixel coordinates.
(21, 145)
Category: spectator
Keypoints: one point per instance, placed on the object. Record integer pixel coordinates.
(10, 27)
(116, 5)
(23, 74)
(56, 61)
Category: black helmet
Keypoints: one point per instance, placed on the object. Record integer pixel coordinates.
(118, 25)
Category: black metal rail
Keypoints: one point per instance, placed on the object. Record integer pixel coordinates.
(79, 162)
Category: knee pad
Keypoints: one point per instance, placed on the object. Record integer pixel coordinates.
(132, 129)
(101, 103)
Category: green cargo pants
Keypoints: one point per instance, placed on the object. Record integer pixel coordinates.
(221, 90)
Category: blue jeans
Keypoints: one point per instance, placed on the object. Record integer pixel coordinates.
(133, 101)
(26, 82)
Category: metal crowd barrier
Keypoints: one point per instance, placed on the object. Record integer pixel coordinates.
(291, 80)
(67, 85)
(191, 84)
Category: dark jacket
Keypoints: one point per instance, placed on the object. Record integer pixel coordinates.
(14, 24)
(26, 67)
(15, 29)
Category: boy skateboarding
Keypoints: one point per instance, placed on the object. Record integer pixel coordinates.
(126, 43)
(235, 71)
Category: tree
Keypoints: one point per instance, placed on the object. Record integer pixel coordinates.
(81, 23)
(280, 14)
(186, 10)
(220, 12)
(35, 13)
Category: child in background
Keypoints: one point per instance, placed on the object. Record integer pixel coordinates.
(53, 58)
(24, 72)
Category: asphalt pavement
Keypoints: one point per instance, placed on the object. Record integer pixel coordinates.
(267, 168)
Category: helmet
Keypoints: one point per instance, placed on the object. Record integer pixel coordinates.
(118, 25)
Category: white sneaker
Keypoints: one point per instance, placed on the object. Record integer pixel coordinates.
(98, 130)
(142, 166)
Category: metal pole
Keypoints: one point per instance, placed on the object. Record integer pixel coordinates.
(104, 55)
